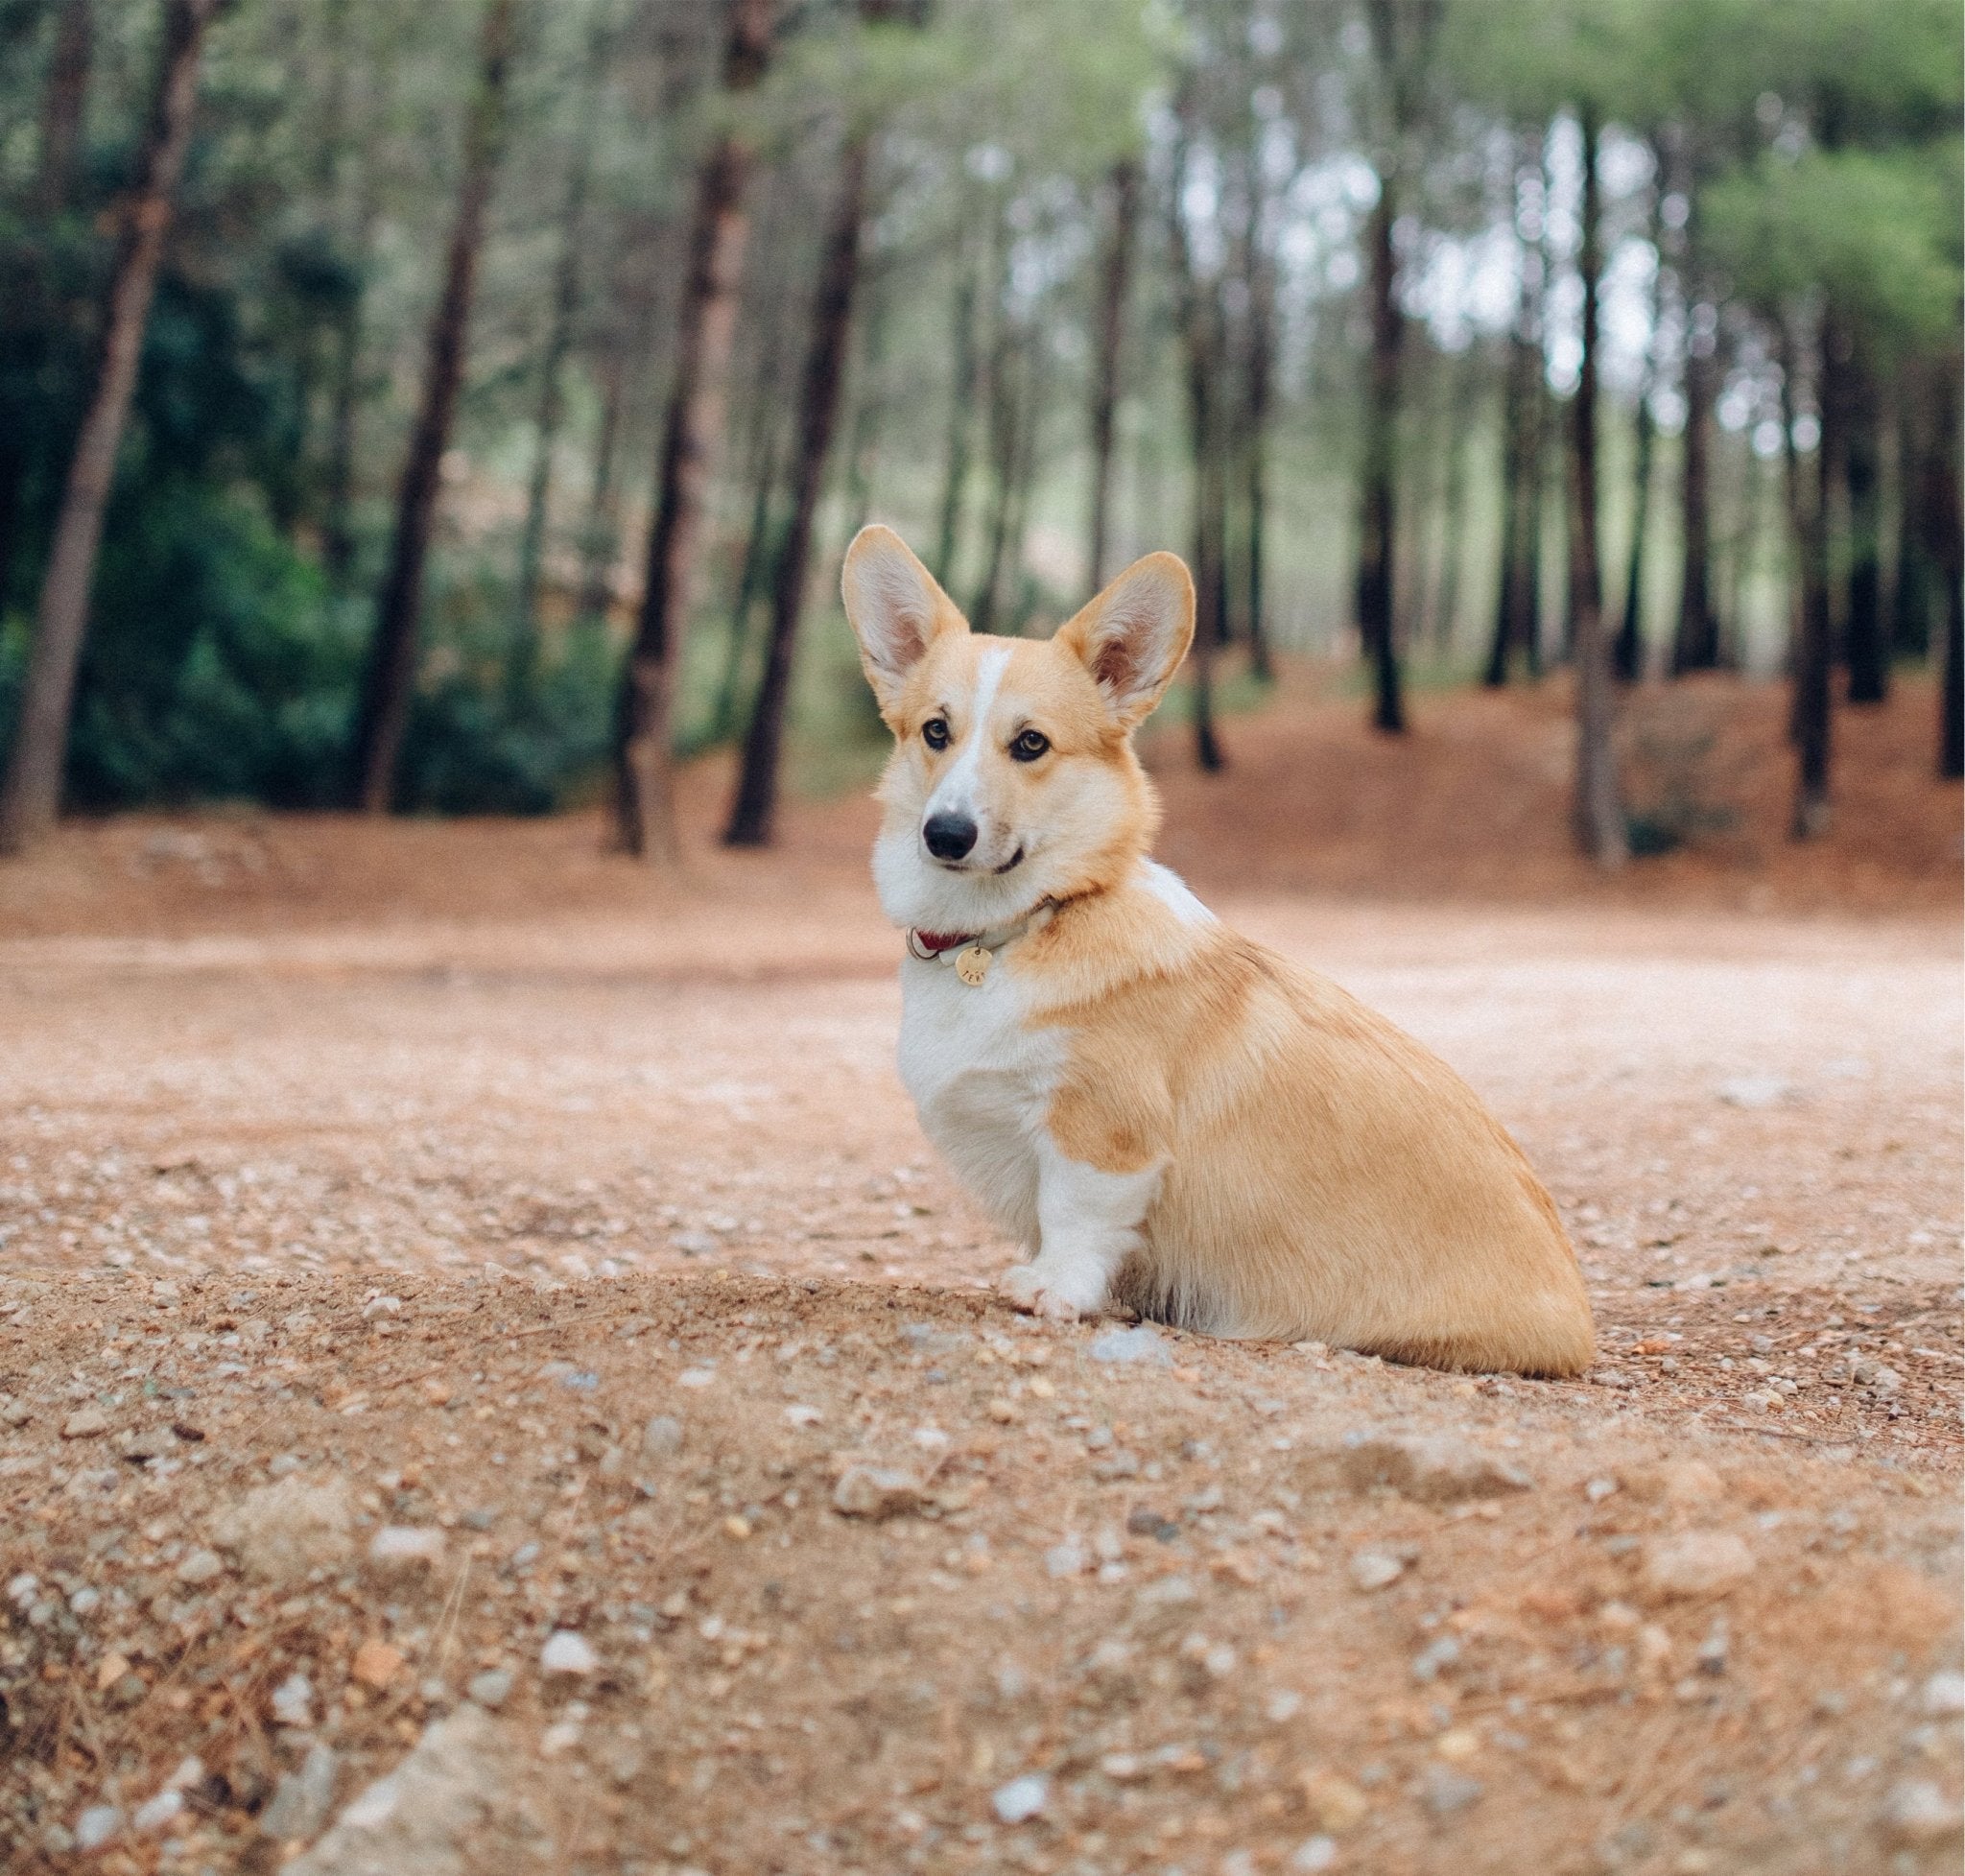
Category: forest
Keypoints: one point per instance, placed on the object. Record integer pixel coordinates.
(465, 408)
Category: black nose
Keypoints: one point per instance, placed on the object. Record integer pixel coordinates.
(949, 836)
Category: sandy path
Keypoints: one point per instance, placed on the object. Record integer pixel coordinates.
(646, 1154)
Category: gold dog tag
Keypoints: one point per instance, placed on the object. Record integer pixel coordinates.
(972, 966)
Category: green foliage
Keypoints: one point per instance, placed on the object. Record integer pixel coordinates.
(1876, 233)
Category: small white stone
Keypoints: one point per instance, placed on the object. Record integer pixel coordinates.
(200, 1567)
(96, 1826)
(1696, 1563)
(1022, 1798)
(158, 1812)
(696, 1377)
(661, 1437)
(1376, 1569)
(1916, 1814)
(799, 1414)
(406, 1545)
(1944, 1694)
(1140, 1343)
(293, 1701)
(1065, 1559)
(567, 1653)
(1314, 1854)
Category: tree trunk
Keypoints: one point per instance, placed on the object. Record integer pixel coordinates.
(1255, 451)
(755, 804)
(1200, 318)
(1376, 627)
(1695, 646)
(863, 440)
(64, 105)
(1123, 186)
(1945, 544)
(1596, 806)
(1453, 529)
(1627, 659)
(691, 434)
(1910, 584)
(962, 420)
(1864, 644)
(563, 316)
(1809, 714)
(389, 683)
(31, 793)
(1008, 359)
(757, 560)
(1517, 611)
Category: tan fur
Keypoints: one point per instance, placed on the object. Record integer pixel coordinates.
(1324, 1175)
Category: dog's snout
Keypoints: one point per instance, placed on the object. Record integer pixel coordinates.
(949, 837)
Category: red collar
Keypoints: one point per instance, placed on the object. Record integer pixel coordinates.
(944, 941)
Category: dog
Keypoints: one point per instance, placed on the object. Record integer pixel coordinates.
(1167, 1117)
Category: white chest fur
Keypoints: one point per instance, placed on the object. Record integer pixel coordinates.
(982, 1078)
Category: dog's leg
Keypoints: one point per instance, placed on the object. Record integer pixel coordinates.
(1088, 1221)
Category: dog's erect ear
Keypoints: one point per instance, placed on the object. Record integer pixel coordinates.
(895, 607)
(1132, 637)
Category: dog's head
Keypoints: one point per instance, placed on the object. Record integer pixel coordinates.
(1013, 778)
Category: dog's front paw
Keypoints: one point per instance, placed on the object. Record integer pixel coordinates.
(1056, 1295)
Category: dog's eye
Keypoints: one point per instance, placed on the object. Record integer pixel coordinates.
(1030, 745)
(934, 732)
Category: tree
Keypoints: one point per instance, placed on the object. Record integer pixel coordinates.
(1402, 36)
(562, 315)
(1123, 190)
(692, 434)
(754, 808)
(388, 682)
(31, 796)
(1598, 812)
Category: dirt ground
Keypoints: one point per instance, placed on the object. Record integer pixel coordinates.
(477, 1320)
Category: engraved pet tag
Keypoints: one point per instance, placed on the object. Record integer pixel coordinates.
(972, 966)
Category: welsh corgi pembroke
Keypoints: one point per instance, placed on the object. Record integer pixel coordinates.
(1165, 1116)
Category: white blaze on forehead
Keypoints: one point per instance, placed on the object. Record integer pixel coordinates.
(957, 787)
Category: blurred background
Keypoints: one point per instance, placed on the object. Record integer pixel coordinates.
(464, 408)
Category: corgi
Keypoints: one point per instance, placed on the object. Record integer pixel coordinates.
(1165, 1116)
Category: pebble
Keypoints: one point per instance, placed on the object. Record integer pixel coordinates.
(96, 1826)
(1065, 1559)
(1335, 1803)
(283, 1531)
(1431, 1469)
(1944, 1694)
(1438, 1654)
(376, 1664)
(416, 1817)
(1754, 1091)
(1376, 1569)
(1313, 1854)
(1916, 1814)
(567, 1653)
(200, 1567)
(661, 1437)
(86, 1423)
(1695, 1563)
(876, 1492)
(302, 1798)
(1140, 1343)
(157, 1812)
(1445, 1792)
(799, 1414)
(491, 1689)
(1022, 1798)
(405, 1546)
(293, 1701)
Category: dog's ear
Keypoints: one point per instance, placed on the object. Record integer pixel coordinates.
(1132, 637)
(895, 607)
